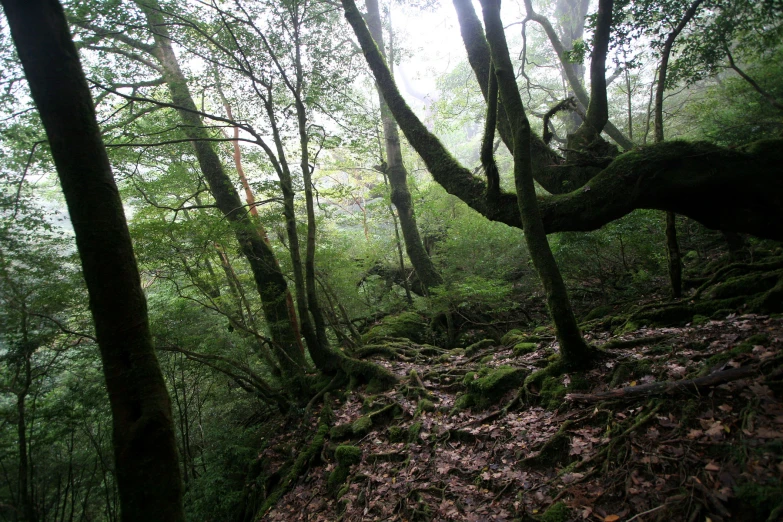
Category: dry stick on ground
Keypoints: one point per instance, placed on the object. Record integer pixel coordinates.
(669, 387)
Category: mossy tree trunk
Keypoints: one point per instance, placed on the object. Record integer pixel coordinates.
(573, 348)
(145, 450)
(736, 189)
(398, 175)
(270, 281)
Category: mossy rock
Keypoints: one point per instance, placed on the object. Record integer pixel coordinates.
(361, 426)
(347, 455)
(599, 312)
(494, 384)
(397, 434)
(408, 325)
(511, 337)
(366, 423)
(524, 348)
(464, 401)
(552, 393)
(414, 431)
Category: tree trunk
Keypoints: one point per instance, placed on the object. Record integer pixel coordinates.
(573, 349)
(143, 431)
(270, 281)
(398, 175)
(251, 202)
(673, 256)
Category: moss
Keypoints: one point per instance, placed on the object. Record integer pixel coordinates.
(510, 337)
(362, 425)
(557, 512)
(628, 370)
(425, 405)
(408, 325)
(341, 431)
(552, 393)
(724, 357)
(759, 501)
(749, 284)
(475, 347)
(598, 312)
(414, 431)
(303, 460)
(486, 386)
(347, 455)
(379, 377)
(699, 320)
(397, 434)
(541, 330)
(628, 326)
(487, 359)
(464, 401)
(524, 348)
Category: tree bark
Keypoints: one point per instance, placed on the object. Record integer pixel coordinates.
(143, 432)
(398, 175)
(270, 281)
(736, 189)
(573, 349)
(597, 115)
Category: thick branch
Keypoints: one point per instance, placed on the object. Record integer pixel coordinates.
(733, 189)
(573, 81)
(738, 190)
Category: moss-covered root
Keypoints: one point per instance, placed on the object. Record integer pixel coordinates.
(553, 450)
(363, 425)
(377, 377)
(415, 387)
(346, 456)
(300, 465)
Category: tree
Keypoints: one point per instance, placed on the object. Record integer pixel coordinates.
(395, 169)
(145, 448)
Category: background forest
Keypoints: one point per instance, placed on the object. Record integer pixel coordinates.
(348, 319)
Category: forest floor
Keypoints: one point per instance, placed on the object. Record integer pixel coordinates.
(694, 453)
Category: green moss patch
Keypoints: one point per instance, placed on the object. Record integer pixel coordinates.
(408, 325)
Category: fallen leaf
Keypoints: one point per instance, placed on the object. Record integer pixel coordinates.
(712, 467)
(611, 518)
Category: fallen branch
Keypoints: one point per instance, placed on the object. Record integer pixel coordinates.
(668, 387)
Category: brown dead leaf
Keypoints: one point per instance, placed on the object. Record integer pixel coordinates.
(611, 518)
(766, 433)
(711, 466)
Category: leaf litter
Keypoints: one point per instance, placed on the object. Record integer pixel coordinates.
(696, 455)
